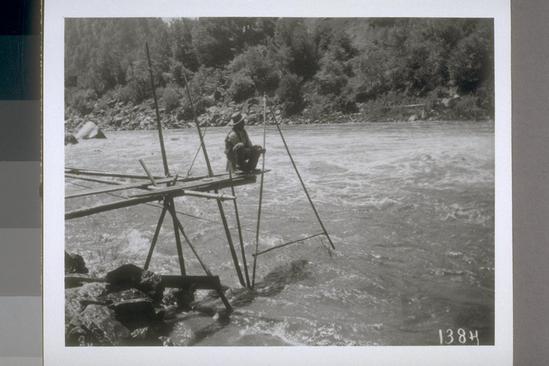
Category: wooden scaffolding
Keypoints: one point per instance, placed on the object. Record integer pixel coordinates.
(167, 187)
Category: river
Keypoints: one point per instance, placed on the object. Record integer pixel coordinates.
(409, 206)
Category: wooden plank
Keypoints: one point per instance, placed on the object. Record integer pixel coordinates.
(198, 282)
(199, 186)
(207, 184)
(187, 192)
(106, 174)
(92, 179)
(120, 187)
(107, 207)
(170, 281)
(78, 172)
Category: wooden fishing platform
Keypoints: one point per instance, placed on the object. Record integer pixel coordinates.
(148, 188)
(194, 186)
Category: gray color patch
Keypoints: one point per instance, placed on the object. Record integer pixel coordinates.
(20, 262)
(20, 130)
(530, 71)
(21, 361)
(21, 326)
(20, 195)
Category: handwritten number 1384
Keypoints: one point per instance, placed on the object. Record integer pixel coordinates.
(459, 336)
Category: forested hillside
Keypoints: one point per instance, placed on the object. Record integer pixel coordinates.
(312, 69)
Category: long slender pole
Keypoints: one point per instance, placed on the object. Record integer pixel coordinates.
(219, 203)
(301, 181)
(171, 209)
(79, 172)
(202, 264)
(204, 267)
(240, 237)
(158, 124)
(155, 237)
(288, 243)
(260, 188)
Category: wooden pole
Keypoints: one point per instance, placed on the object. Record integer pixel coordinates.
(92, 180)
(188, 241)
(159, 125)
(286, 244)
(147, 171)
(171, 209)
(240, 237)
(78, 172)
(301, 181)
(187, 192)
(219, 203)
(260, 189)
(155, 237)
(148, 198)
(204, 267)
(117, 187)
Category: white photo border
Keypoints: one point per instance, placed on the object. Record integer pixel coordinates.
(55, 352)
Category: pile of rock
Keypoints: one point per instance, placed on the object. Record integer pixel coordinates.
(130, 306)
(125, 307)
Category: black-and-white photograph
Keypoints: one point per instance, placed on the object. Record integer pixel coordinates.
(255, 181)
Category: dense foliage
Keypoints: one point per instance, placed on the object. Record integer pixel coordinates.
(307, 66)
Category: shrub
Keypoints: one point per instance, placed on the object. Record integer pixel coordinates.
(260, 65)
(468, 107)
(171, 98)
(135, 91)
(289, 94)
(81, 100)
(242, 87)
(206, 81)
(471, 63)
(331, 78)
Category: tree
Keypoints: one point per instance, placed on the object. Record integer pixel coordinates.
(295, 47)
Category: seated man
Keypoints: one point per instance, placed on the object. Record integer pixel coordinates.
(240, 152)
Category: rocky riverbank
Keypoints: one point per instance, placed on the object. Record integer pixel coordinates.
(111, 114)
(131, 306)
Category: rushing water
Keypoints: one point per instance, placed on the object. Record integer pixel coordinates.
(409, 206)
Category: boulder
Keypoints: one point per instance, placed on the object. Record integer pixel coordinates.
(77, 280)
(90, 131)
(124, 277)
(96, 325)
(182, 298)
(76, 299)
(130, 276)
(74, 263)
(135, 313)
(151, 284)
(70, 139)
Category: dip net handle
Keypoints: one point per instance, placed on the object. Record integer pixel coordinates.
(158, 123)
(260, 188)
(301, 181)
(219, 203)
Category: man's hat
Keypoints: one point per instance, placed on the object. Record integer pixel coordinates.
(236, 119)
